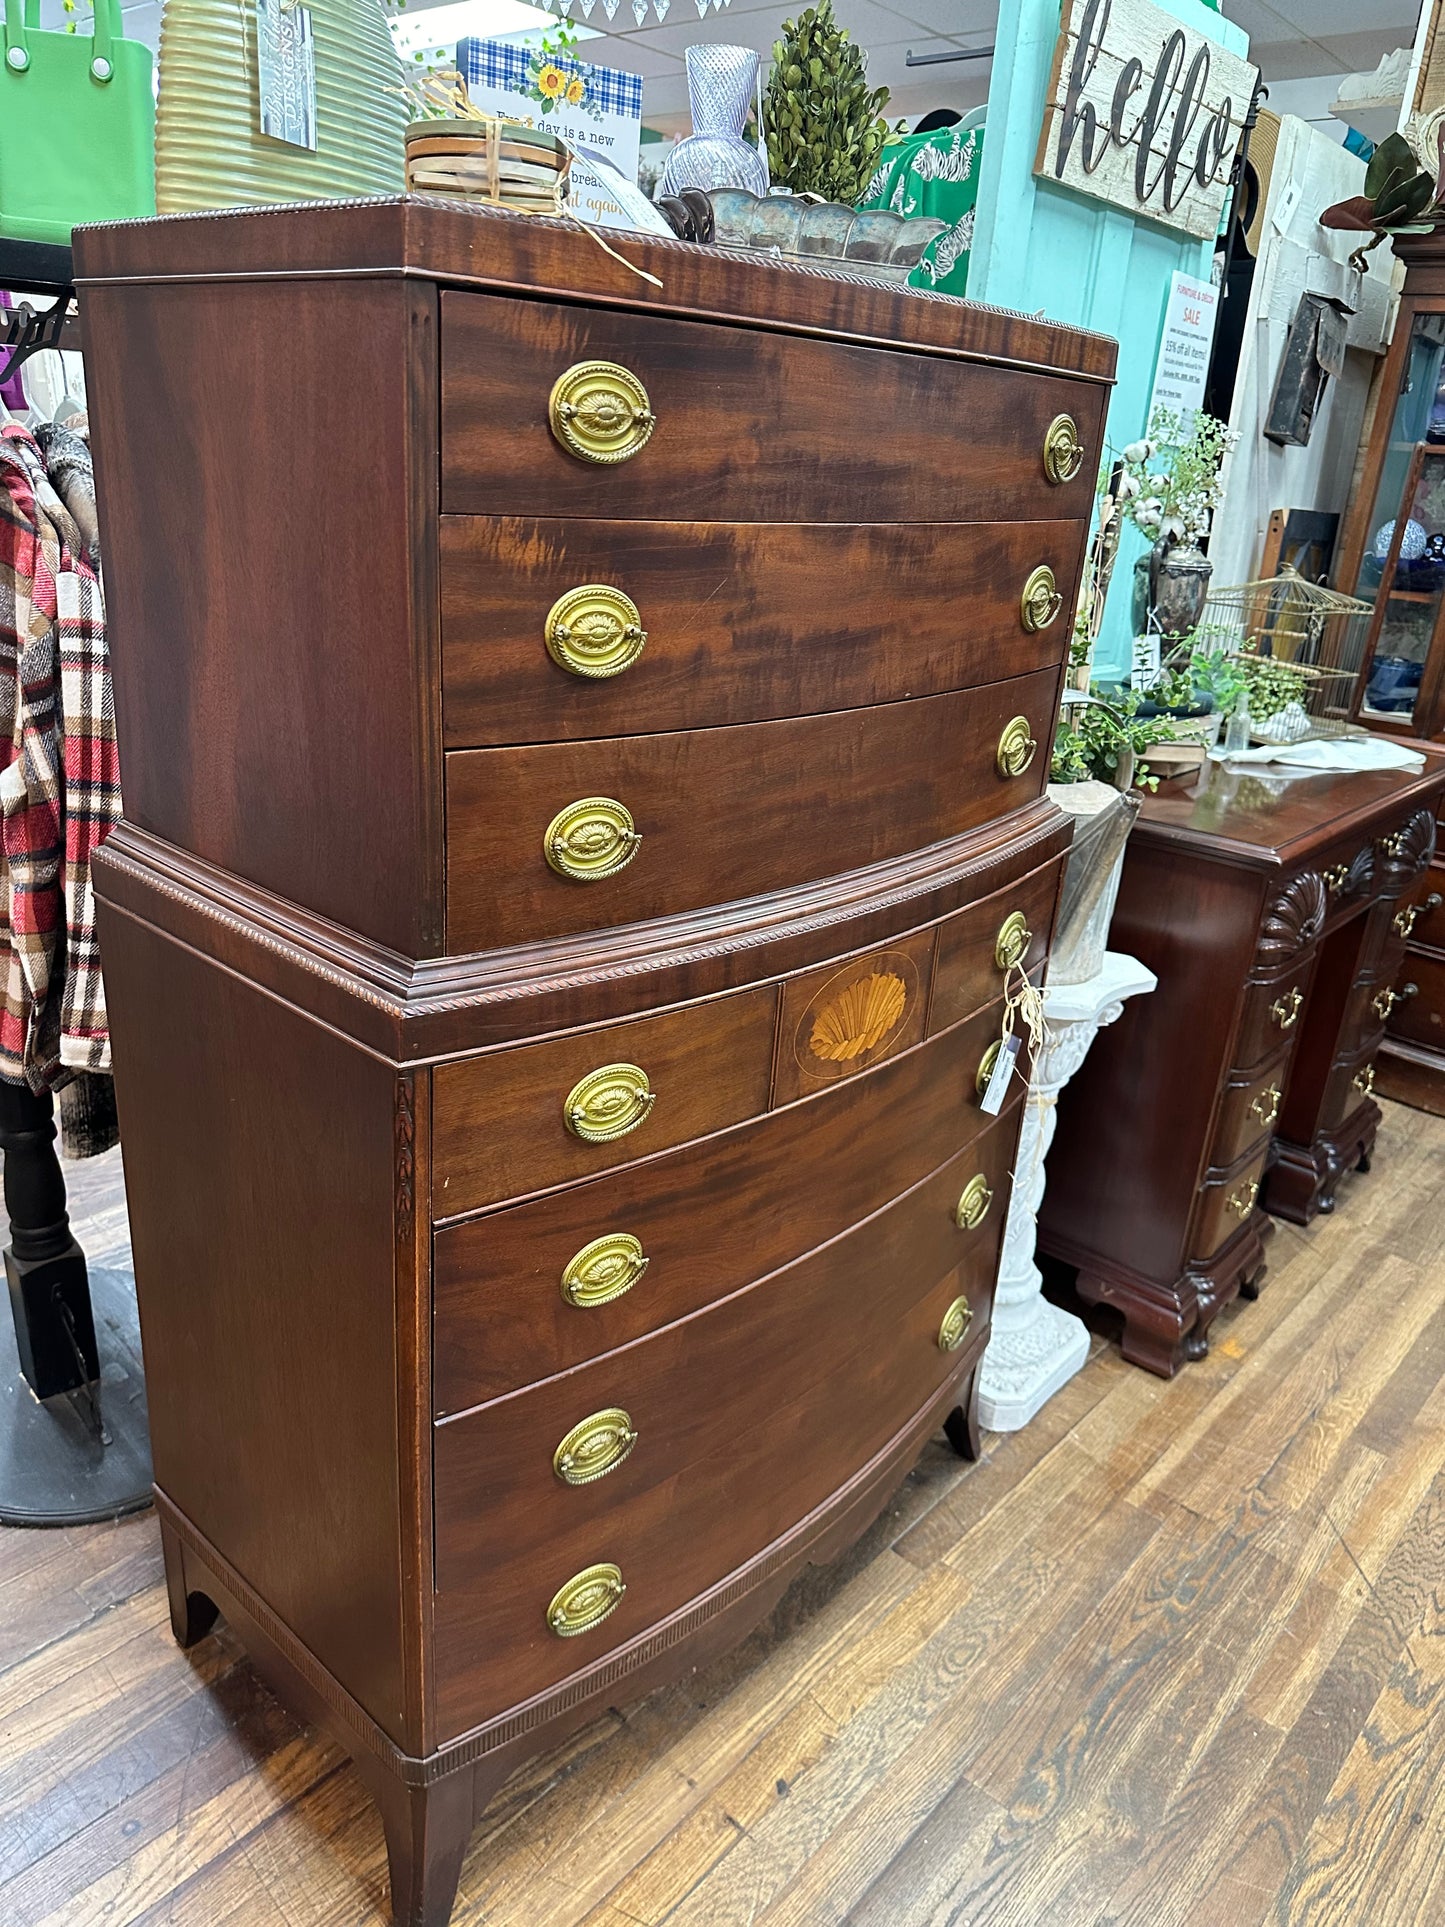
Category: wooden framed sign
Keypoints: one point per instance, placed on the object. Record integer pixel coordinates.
(1144, 113)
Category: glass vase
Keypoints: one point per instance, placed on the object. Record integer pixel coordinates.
(210, 151)
(720, 83)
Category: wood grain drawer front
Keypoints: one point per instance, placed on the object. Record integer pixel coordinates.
(512, 1122)
(1271, 1017)
(725, 814)
(742, 622)
(1420, 913)
(976, 945)
(1226, 1201)
(1420, 1017)
(1248, 1112)
(1351, 1084)
(750, 425)
(791, 1180)
(746, 1417)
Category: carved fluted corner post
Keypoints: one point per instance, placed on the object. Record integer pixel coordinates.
(1034, 1347)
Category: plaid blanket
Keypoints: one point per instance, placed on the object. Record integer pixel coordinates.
(59, 779)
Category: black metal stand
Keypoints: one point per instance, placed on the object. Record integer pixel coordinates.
(37, 267)
(65, 1456)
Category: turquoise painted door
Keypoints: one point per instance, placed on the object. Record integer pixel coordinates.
(1046, 250)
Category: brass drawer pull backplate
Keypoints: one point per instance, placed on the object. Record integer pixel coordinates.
(1364, 1081)
(608, 1103)
(985, 1066)
(594, 1447)
(600, 412)
(1063, 451)
(1242, 1201)
(593, 838)
(1016, 747)
(972, 1206)
(594, 631)
(1011, 945)
(1040, 604)
(954, 1329)
(585, 1601)
(605, 1269)
(1285, 1010)
(1266, 1105)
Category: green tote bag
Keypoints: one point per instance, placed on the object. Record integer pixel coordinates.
(77, 125)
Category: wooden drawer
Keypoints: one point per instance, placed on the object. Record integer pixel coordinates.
(746, 1416)
(743, 622)
(500, 1121)
(1271, 1016)
(1421, 1017)
(1419, 917)
(729, 813)
(967, 970)
(1351, 1083)
(751, 426)
(1226, 1199)
(1248, 1112)
(792, 1180)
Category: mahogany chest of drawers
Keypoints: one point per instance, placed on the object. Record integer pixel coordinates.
(1270, 907)
(584, 751)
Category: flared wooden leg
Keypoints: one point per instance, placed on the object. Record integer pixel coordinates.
(427, 1830)
(192, 1614)
(961, 1425)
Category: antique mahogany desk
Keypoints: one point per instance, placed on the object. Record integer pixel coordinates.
(584, 748)
(1273, 911)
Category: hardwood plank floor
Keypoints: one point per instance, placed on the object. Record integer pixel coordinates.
(1174, 1656)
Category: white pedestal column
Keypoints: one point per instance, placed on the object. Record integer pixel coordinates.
(1033, 1347)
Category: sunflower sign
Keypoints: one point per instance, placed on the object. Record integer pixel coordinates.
(590, 107)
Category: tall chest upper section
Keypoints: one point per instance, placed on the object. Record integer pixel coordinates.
(372, 568)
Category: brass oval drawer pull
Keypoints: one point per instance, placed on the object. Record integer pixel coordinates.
(600, 412)
(954, 1329)
(608, 1103)
(1242, 1201)
(594, 631)
(1040, 604)
(1266, 1105)
(985, 1066)
(1016, 747)
(605, 1269)
(1285, 1010)
(1011, 945)
(972, 1206)
(1364, 1081)
(1336, 877)
(1063, 451)
(586, 1600)
(593, 838)
(594, 1447)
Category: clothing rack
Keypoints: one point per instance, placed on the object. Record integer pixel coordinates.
(65, 1457)
(35, 267)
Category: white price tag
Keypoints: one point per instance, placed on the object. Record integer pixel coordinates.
(286, 73)
(999, 1076)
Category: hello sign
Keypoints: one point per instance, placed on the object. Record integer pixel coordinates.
(1144, 113)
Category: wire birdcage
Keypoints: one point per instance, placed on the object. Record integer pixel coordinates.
(1315, 629)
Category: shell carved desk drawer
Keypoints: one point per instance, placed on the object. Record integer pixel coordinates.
(1242, 1086)
(560, 934)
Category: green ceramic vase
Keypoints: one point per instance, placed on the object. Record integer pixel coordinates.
(209, 150)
